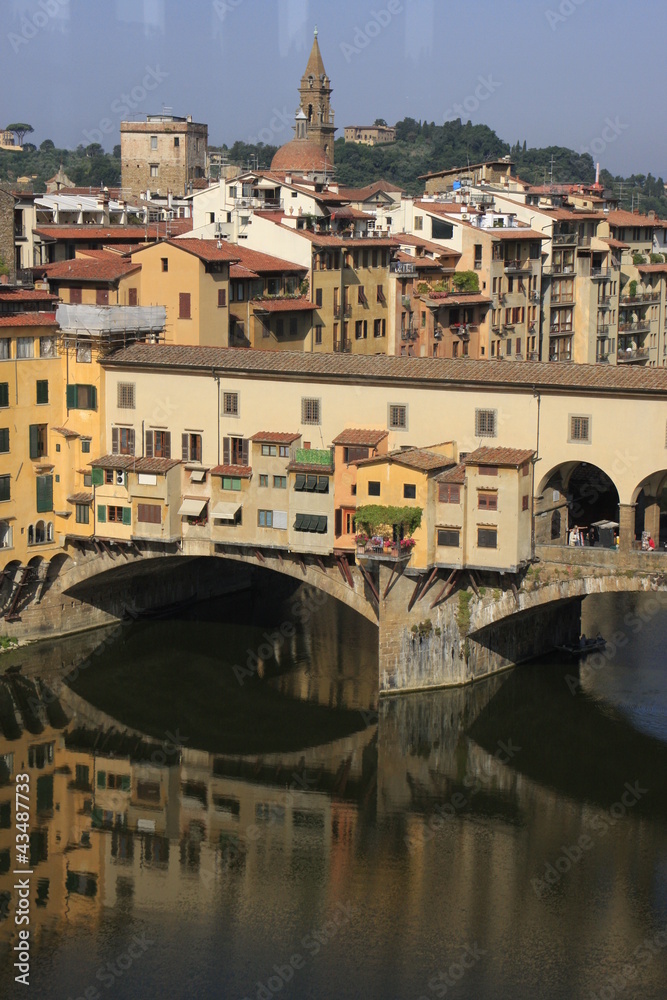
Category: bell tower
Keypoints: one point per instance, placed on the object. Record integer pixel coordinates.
(315, 92)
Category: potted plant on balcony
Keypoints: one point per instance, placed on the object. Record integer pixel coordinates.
(407, 545)
(361, 538)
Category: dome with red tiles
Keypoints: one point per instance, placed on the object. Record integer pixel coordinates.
(300, 156)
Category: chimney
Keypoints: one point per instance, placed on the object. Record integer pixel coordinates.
(597, 173)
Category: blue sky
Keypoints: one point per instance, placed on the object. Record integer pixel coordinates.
(580, 73)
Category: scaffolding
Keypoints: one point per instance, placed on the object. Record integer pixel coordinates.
(105, 329)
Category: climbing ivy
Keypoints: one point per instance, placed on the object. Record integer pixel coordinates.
(378, 519)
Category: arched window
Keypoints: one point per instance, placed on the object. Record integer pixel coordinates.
(49, 531)
(310, 113)
(31, 534)
(555, 525)
(40, 532)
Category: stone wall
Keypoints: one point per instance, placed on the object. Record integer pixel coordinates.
(7, 255)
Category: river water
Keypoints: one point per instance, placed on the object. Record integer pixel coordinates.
(220, 808)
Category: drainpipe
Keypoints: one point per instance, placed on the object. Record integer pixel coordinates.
(217, 379)
(536, 459)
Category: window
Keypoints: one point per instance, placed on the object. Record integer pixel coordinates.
(6, 536)
(311, 522)
(353, 454)
(524, 503)
(373, 488)
(44, 493)
(108, 477)
(184, 305)
(82, 513)
(487, 470)
(119, 515)
(154, 169)
(87, 479)
(5, 489)
(177, 141)
(485, 423)
(84, 352)
(318, 334)
(487, 500)
(379, 289)
(269, 450)
(580, 428)
(191, 447)
(126, 395)
(379, 328)
(75, 296)
(102, 296)
(449, 537)
(47, 347)
(37, 437)
(398, 417)
(25, 347)
(4, 394)
(4, 440)
(85, 446)
(487, 538)
(409, 491)
(149, 513)
(318, 297)
(231, 483)
(5, 349)
(122, 441)
(165, 263)
(419, 221)
(153, 142)
(358, 329)
(263, 480)
(311, 483)
(265, 518)
(132, 298)
(283, 451)
(280, 482)
(235, 451)
(230, 404)
(293, 327)
(310, 411)
(42, 391)
(158, 444)
(81, 397)
(222, 298)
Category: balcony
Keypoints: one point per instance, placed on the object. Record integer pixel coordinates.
(565, 239)
(554, 269)
(631, 355)
(342, 346)
(602, 357)
(564, 300)
(409, 335)
(558, 331)
(603, 331)
(584, 242)
(642, 298)
(517, 264)
(604, 302)
(560, 356)
(406, 302)
(460, 330)
(604, 272)
(380, 549)
(533, 356)
(642, 326)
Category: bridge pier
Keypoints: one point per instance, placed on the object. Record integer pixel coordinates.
(626, 530)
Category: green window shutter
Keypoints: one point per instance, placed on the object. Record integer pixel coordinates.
(4, 439)
(101, 512)
(125, 783)
(72, 392)
(42, 391)
(127, 515)
(101, 779)
(5, 487)
(4, 393)
(34, 441)
(93, 397)
(97, 477)
(44, 494)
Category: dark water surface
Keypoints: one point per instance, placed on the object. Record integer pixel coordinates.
(219, 810)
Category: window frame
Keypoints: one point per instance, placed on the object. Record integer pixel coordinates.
(391, 423)
(576, 439)
(481, 415)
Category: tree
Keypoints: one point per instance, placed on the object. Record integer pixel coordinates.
(46, 145)
(20, 129)
(380, 121)
(116, 152)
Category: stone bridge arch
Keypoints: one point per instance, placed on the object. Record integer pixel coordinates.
(650, 500)
(574, 494)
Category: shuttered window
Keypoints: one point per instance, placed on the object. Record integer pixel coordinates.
(4, 393)
(44, 493)
(149, 513)
(122, 440)
(81, 397)
(158, 444)
(235, 451)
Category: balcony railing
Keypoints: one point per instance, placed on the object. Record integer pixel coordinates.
(342, 346)
(565, 239)
(643, 326)
(603, 331)
(517, 264)
(629, 355)
(556, 331)
(604, 272)
(640, 299)
(406, 302)
(584, 241)
(560, 356)
(564, 300)
(604, 302)
(602, 357)
(553, 269)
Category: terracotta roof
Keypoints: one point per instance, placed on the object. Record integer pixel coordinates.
(66, 432)
(348, 212)
(452, 299)
(420, 459)
(275, 437)
(513, 233)
(300, 154)
(154, 230)
(80, 498)
(619, 217)
(499, 456)
(342, 242)
(29, 319)
(456, 475)
(112, 462)
(419, 262)
(211, 251)
(364, 193)
(360, 436)
(107, 267)
(134, 464)
(409, 239)
(283, 305)
(26, 295)
(239, 271)
(464, 171)
(364, 369)
(265, 262)
(651, 268)
(238, 471)
(323, 470)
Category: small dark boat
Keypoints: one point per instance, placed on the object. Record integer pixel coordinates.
(164, 611)
(583, 649)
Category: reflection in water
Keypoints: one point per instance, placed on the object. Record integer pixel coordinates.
(449, 825)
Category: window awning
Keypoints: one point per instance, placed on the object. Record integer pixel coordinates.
(198, 475)
(226, 511)
(192, 507)
(299, 482)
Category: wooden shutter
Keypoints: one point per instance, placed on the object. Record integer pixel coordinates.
(225, 451)
(132, 297)
(93, 397)
(149, 444)
(34, 441)
(44, 494)
(114, 441)
(127, 515)
(72, 397)
(4, 393)
(167, 444)
(97, 477)
(130, 441)
(101, 513)
(185, 452)
(184, 305)
(244, 451)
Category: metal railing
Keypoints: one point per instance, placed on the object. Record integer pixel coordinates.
(629, 354)
(640, 327)
(564, 239)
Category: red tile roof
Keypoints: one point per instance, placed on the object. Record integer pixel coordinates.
(107, 268)
(238, 471)
(211, 251)
(499, 456)
(420, 459)
(275, 437)
(80, 498)
(452, 299)
(361, 436)
(283, 305)
(239, 271)
(455, 475)
(34, 319)
(419, 262)
(323, 470)
(66, 432)
(26, 295)
(133, 464)
(264, 263)
(619, 217)
(364, 369)
(409, 239)
(154, 230)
